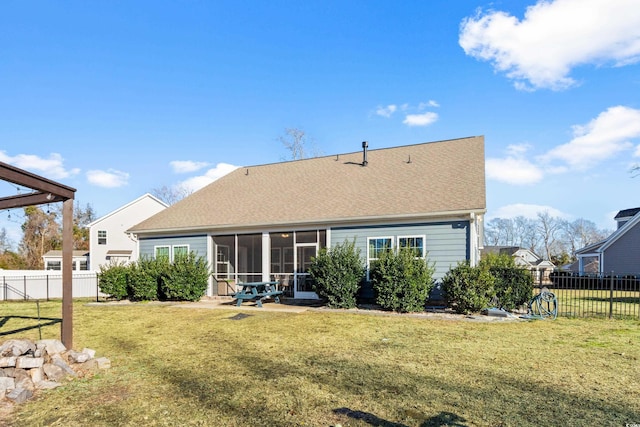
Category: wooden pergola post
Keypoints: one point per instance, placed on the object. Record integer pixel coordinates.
(67, 274)
(47, 191)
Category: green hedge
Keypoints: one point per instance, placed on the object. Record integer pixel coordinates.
(402, 282)
(513, 285)
(112, 280)
(337, 274)
(468, 289)
(186, 279)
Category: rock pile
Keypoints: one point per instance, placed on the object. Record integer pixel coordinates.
(27, 366)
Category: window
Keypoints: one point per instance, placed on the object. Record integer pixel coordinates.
(378, 245)
(180, 250)
(413, 243)
(53, 265)
(162, 252)
(102, 237)
(84, 265)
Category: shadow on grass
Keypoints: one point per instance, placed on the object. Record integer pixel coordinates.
(44, 321)
(440, 420)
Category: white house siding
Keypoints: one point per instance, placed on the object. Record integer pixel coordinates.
(446, 243)
(115, 224)
(623, 256)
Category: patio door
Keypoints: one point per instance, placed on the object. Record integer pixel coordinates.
(303, 287)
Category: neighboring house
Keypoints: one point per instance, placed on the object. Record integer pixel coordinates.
(619, 253)
(267, 222)
(108, 240)
(540, 268)
(53, 260)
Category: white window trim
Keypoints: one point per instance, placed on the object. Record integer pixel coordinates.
(377, 238)
(416, 236)
(173, 250)
(155, 250)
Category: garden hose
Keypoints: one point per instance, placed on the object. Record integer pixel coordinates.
(544, 305)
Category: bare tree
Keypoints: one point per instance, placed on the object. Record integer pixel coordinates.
(171, 195)
(581, 233)
(549, 229)
(5, 241)
(298, 143)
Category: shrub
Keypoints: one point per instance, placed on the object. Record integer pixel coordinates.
(337, 274)
(513, 284)
(186, 279)
(143, 280)
(402, 282)
(468, 289)
(113, 280)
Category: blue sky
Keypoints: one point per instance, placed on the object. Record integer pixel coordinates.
(116, 98)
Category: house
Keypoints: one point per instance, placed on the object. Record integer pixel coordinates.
(108, 240)
(267, 222)
(619, 253)
(53, 260)
(525, 258)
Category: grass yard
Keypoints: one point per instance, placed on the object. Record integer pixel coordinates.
(173, 366)
(598, 302)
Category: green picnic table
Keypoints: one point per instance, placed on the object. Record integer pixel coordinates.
(257, 291)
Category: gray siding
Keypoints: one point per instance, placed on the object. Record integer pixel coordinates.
(197, 244)
(447, 243)
(623, 256)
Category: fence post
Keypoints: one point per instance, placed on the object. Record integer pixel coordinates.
(97, 288)
(47, 287)
(24, 285)
(611, 298)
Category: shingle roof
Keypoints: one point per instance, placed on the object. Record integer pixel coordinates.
(408, 181)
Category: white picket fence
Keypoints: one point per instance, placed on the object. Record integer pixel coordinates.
(46, 284)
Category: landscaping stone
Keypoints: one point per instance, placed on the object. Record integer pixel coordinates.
(16, 347)
(52, 346)
(19, 395)
(53, 372)
(77, 357)
(27, 366)
(8, 362)
(26, 362)
(7, 383)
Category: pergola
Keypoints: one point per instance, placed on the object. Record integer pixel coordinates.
(47, 191)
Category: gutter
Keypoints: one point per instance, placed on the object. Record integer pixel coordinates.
(471, 213)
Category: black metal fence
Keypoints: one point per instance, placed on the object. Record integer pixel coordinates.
(595, 295)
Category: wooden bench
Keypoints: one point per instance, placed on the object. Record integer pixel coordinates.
(257, 291)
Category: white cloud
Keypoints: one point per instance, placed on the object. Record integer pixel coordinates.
(525, 210)
(187, 166)
(513, 170)
(431, 103)
(51, 168)
(197, 182)
(600, 139)
(424, 119)
(386, 111)
(636, 153)
(540, 50)
(108, 179)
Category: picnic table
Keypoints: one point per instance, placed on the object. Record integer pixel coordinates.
(257, 291)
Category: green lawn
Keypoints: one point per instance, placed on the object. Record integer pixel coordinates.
(589, 303)
(173, 366)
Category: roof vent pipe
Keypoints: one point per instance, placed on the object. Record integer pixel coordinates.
(365, 145)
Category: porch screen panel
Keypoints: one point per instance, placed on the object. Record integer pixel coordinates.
(225, 262)
(249, 258)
